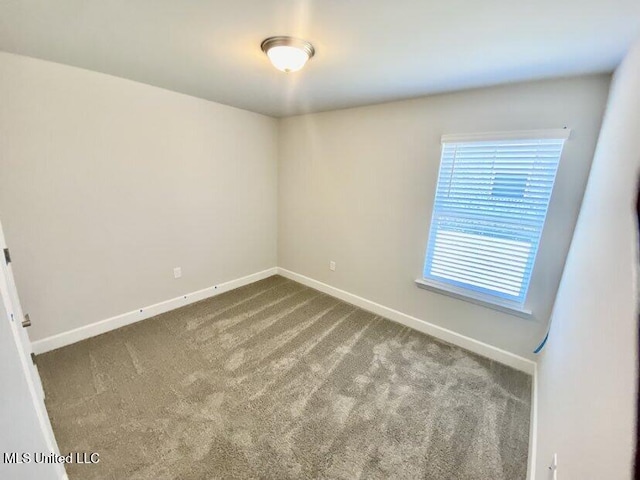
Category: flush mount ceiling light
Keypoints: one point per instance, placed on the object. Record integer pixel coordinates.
(287, 54)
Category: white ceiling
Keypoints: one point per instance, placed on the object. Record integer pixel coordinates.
(367, 51)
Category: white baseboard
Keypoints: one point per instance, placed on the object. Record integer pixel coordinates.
(103, 326)
(475, 346)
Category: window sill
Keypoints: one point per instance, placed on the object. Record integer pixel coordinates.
(477, 299)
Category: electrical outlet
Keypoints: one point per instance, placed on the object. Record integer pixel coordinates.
(332, 266)
(177, 272)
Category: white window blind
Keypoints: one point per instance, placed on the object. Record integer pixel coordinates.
(490, 206)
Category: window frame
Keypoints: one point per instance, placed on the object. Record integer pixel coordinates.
(487, 300)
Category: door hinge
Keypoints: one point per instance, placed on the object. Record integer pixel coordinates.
(7, 256)
(33, 358)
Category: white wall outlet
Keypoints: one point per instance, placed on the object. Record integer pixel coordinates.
(177, 272)
(332, 266)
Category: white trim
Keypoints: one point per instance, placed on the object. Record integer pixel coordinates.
(476, 298)
(558, 133)
(533, 426)
(103, 326)
(475, 346)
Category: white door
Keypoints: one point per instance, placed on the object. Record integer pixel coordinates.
(11, 301)
(12, 314)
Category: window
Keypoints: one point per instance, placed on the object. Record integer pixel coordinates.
(490, 207)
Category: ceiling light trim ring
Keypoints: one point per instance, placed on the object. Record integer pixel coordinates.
(286, 41)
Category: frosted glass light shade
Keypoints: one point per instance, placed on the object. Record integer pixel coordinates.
(287, 59)
(287, 54)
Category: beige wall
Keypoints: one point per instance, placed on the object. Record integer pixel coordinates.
(587, 374)
(107, 184)
(356, 186)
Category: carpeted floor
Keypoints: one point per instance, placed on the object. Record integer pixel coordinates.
(278, 381)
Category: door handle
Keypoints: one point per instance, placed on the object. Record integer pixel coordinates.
(27, 321)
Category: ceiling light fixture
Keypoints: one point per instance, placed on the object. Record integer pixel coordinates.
(287, 54)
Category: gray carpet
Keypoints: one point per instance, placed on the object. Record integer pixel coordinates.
(276, 380)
